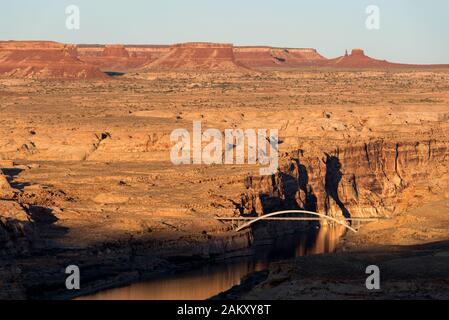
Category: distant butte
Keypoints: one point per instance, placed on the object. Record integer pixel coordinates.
(115, 51)
(198, 56)
(44, 59)
(117, 57)
(205, 56)
(359, 60)
(52, 60)
(269, 57)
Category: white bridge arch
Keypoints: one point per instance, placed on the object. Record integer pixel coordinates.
(267, 216)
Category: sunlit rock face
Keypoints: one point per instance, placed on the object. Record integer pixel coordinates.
(116, 57)
(44, 59)
(198, 56)
(357, 59)
(115, 51)
(373, 179)
(270, 57)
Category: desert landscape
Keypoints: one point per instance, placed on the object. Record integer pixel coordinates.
(86, 176)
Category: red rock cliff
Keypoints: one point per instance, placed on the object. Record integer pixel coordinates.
(42, 59)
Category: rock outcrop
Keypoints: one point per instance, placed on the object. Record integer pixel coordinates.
(6, 191)
(358, 59)
(198, 56)
(374, 179)
(118, 51)
(116, 57)
(52, 60)
(43, 59)
(16, 231)
(280, 58)
(269, 57)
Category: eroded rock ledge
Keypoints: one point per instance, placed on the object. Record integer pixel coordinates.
(373, 179)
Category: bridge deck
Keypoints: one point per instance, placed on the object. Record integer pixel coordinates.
(248, 221)
(295, 219)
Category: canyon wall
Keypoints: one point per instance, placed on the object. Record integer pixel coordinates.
(374, 179)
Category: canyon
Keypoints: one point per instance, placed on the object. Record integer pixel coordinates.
(86, 176)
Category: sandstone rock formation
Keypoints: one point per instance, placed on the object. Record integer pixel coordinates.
(279, 58)
(6, 191)
(43, 59)
(366, 180)
(198, 56)
(358, 59)
(16, 231)
(151, 52)
(115, 51)
(118, 58)
(269, 57)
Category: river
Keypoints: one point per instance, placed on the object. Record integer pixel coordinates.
(212, 279)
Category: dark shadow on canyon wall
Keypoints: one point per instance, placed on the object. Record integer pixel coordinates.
(44, 222)
(290, 190)
(310, 203)
(11, 175)
(332, 182)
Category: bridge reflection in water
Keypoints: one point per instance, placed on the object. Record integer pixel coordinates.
(205, 282)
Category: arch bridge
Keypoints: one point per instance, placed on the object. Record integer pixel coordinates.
(315, 216)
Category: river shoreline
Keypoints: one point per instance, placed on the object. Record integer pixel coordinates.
(204, 279)
(125, 267)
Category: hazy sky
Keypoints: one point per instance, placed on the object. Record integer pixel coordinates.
(411, 31)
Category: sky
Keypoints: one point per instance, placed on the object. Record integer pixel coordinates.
(410, 31)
